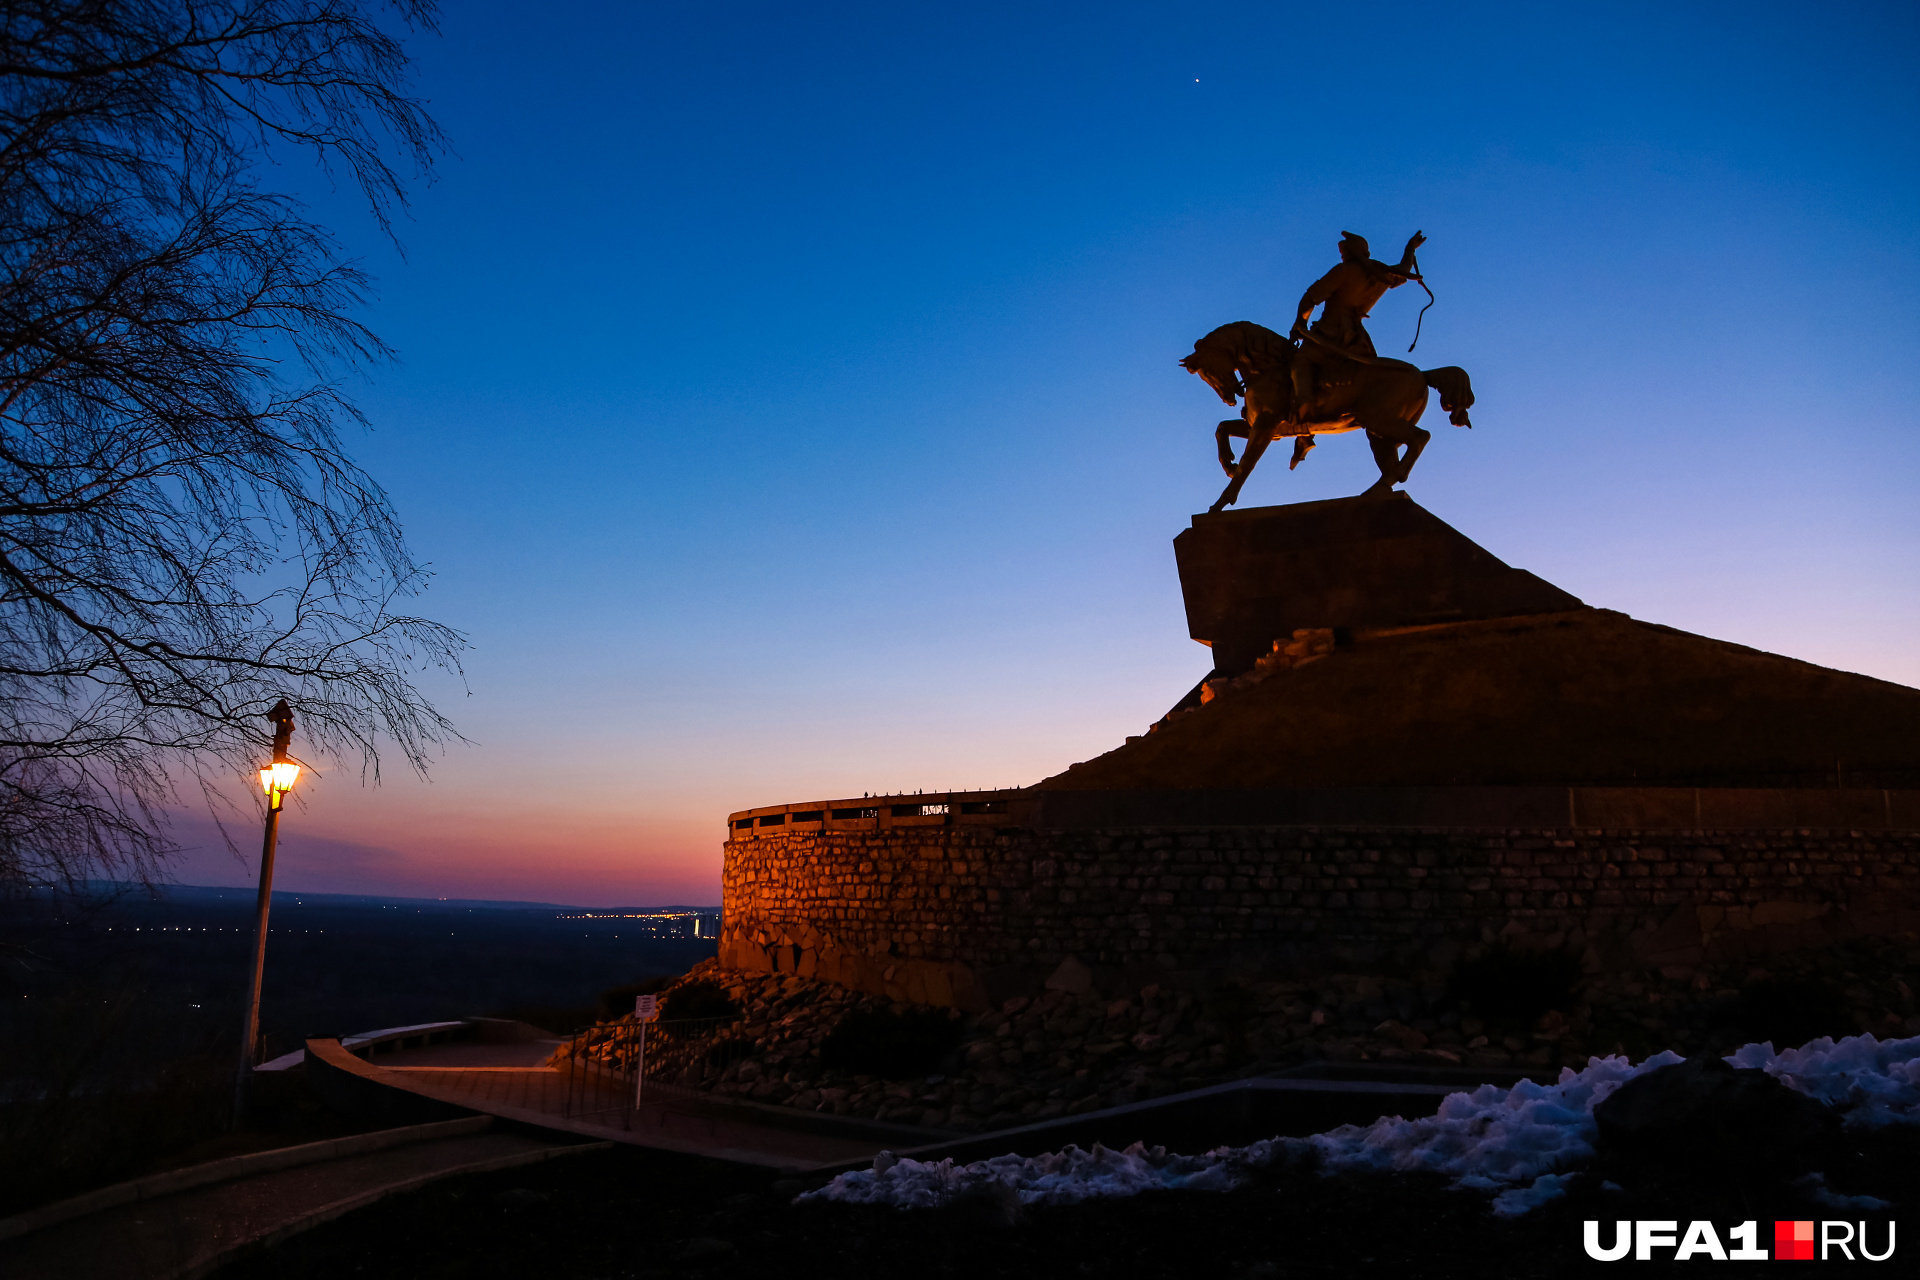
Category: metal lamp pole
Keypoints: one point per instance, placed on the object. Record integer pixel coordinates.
(276, 780)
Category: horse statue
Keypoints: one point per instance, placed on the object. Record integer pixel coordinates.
(1351, 392)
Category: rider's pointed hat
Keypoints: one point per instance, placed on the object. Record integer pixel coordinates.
(1353, 244)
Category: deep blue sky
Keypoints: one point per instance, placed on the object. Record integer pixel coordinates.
(788, 403)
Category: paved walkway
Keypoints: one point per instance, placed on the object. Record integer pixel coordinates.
(183, 1224)
(525, 1056)
(485, 1078)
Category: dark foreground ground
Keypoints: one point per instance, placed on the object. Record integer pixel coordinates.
(640, 1214)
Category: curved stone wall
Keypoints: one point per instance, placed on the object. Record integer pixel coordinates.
(966, 914)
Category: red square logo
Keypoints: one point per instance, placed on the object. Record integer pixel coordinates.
(1793, 1241)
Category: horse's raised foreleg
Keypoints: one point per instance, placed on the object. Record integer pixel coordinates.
(1231, 427)
(1259, 436)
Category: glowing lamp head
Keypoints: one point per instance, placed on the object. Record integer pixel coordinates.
(278, 778)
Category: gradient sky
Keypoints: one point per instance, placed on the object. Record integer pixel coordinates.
(787, 400)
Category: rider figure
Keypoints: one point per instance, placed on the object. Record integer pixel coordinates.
(1349, 292)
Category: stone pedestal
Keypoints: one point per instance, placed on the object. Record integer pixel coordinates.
(1253, 576)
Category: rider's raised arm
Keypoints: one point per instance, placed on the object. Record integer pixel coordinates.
(1392, 276)
(1407, 267)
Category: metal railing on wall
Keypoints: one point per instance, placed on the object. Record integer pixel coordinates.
(874, 811)
(1638, 807)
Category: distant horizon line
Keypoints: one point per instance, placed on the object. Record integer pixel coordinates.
(387, 899)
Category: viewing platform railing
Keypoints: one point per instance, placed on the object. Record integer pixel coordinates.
(945, 808)
(1578, 807)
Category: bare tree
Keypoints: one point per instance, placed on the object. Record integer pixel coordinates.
(183, 540)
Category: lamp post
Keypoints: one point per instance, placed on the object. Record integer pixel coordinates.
(276, 779)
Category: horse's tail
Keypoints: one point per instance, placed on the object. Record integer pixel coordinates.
(1456, 392)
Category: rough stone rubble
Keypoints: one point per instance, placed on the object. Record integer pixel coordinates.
(1065, 1053)
(1505, 1142)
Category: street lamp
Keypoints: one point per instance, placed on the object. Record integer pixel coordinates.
(276, 779)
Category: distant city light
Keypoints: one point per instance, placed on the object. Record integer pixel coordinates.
(636, 915)
(664, 917)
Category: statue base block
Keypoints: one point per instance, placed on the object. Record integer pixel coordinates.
(1255, 576)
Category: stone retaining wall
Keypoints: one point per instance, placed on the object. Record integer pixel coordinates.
(970, 915)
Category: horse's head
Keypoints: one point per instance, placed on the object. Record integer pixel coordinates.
(1215, 364)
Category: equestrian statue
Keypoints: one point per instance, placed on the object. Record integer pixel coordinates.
(1326, 377)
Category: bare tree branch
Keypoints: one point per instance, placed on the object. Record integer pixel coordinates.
(183, 540)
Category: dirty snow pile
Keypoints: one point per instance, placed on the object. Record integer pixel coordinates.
(1506, 1142)
(1873, 1082)
(1060, 1178)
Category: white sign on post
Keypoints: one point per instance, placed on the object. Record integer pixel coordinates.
(645, 1010)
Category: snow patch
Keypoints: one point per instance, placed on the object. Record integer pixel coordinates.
(1060, 1178)
(1513, 1144)
(1875, 1082)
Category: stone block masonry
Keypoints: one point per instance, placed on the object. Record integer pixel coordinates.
(969, 915)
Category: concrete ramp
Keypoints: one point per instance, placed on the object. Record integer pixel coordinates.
(186, 1223)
